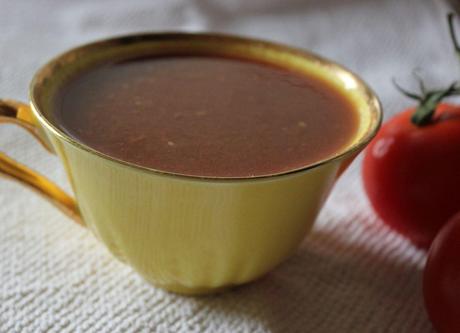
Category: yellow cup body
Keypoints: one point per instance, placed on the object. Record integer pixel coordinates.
(192, 235)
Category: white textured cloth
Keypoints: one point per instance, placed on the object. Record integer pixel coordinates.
(352, 274)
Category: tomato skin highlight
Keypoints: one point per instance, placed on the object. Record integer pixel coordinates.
(441, 279)
(411, 173)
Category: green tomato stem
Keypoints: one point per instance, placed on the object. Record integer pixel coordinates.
(453, 36)
(427, 107)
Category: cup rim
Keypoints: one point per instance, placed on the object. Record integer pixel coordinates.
(372, 101)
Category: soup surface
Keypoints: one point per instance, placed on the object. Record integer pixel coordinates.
(206, 116)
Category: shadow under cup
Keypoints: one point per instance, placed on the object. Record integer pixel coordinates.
(186, 234)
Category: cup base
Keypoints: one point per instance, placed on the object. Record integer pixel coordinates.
(193, 291)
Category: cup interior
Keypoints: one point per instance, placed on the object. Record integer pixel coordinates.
(50, 78)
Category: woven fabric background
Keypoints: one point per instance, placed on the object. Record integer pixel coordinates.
(352, 274)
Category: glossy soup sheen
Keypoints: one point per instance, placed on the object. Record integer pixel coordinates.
(206, 116)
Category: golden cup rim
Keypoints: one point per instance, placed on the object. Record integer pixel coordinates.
(372, 101)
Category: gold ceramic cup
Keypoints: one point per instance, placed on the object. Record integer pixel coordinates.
(190, 235)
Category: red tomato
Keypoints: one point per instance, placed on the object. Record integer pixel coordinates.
(412, 173)
(441, 280)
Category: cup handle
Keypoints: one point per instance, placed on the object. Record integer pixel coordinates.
(21, 114)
